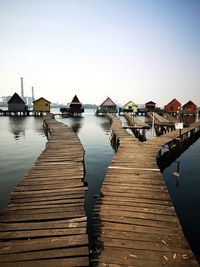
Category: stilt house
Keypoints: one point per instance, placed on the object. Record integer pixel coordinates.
(130, 107)
(108, 106)
(41, 105)
(189, 108)
(16, 104)
(173, 107)
(75, 107)
(150, 106)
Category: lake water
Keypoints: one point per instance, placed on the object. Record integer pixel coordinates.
(22, 140)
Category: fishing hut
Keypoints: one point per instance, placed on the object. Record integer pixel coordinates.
(150, 106)
(108, 106)
(16, 106)
(189, 108)
(129, 107)
(75, 107)
(173, 107)
(41, 106)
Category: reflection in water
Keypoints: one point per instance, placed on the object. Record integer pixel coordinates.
(38, 122)
(17, 126)
(21, 141)
(105, 125)
(170, 156)
(76, 123)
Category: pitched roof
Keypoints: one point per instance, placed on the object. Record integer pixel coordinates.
(41, 98)
(174, 101)
(16, 99)
(131, 103)
(75, 100)
(108, 102)
(150, 102)
(189, 103)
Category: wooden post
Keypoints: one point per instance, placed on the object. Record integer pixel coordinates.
(153, 126)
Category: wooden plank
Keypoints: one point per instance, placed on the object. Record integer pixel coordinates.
(34, 217)
(22, 206)
(35, 198)
(143, 258)
(47, 209)
(62, 201)
(42, 193)
(61, 262)
(135, 207)
(44, 254)
(43, 243)
(161, 238)
(42, 233)
(135, 199)
(137, 221)
(55, 224)
(41, 186)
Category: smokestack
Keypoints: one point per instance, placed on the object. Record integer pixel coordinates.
(22, 89)
(33, 98)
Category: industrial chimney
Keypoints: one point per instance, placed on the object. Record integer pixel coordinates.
(22, 89)
(33, 98)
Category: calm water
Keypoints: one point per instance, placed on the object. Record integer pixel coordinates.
(22, 140)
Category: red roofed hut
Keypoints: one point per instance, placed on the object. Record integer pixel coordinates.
(173, 107)
(189, 108)
(150, 106)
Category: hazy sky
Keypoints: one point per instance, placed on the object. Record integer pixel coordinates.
(137, 50)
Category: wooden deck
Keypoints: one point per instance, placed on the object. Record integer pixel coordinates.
(45, 222)
(135, 221)
(160, 120)
(135, 123)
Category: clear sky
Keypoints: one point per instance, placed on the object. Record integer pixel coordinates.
(137, 50)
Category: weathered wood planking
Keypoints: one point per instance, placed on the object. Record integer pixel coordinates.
(45, 222)
(135, 122)
(134, 218)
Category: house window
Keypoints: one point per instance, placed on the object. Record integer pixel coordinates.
(171, 108)
(46, 105)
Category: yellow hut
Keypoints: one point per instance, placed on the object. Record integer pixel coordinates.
(41, 105)
(130, 107)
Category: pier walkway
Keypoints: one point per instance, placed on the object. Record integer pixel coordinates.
(134, 218)
(45, 223)
(135, 123)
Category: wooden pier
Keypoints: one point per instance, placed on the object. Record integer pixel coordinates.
(161, 124)
(45, 223)
(134, 218)
(135, 123)
(26, 113)
(137, 126)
